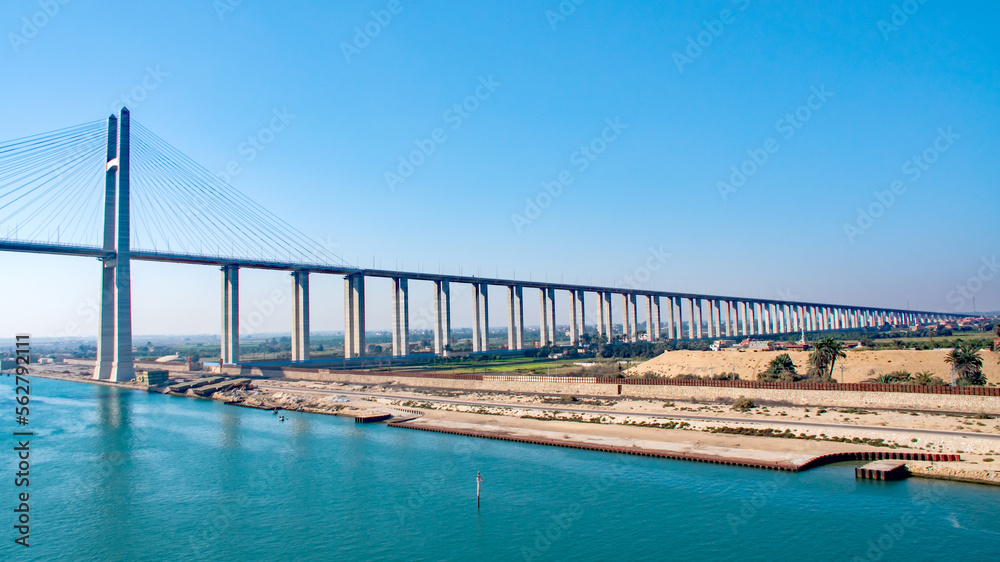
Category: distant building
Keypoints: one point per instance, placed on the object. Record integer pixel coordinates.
(758, 345)
(722, 344)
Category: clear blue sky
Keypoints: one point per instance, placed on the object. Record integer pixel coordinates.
(690, 114)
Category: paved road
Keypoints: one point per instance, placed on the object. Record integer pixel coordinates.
(699, 417)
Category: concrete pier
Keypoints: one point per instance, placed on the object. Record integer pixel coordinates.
(633, 331)
(477, 336)
(602, 330)
(699, 321)
(672, 332)
(354, 316)
(626, 316)
(400, 316)
(654, 318)
(515, 317)
(574, 328)
(609, 319)
(442, 317)
(230, 315)
(300, 315)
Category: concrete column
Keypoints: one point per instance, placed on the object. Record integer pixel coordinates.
(552, 316)
(477, 336)
(300, 315)
(713, 321)
(707, 315)
(633, 319)
(404, 305)
(743, 317)
(519, 316)
(349, 317)
(400, 316)
(601, 329)
(106, 331)
(729, 319)
(691, 320)
(230, 315)
(354, 315)
(511, 335)
(678, 318)
(442, 323)
(626, 317)
(543, 321)
(574, 328)
(699, 319)
(583, 307)
(654, 316)
(122, 367)
(608, 317)
(484, 294)
(671, 319)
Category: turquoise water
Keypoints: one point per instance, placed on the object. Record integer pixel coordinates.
(125, 475)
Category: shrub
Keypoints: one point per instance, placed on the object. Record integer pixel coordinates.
(743, 404)
(780, 369)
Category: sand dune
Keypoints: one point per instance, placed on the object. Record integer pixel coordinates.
(856, 367)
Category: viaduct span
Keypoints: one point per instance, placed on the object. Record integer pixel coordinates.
(707, 316)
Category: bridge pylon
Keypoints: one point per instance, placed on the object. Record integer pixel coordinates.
(114, 342)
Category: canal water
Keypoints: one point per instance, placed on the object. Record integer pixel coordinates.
(126, 475)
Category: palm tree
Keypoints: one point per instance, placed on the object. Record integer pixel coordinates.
(827, 350)
(968, 364)
(781, 368)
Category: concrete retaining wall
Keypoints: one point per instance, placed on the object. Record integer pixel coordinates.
(587, 387)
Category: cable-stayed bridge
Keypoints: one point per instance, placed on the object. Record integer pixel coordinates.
(115, 191)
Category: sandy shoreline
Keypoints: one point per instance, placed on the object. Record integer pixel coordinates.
(783, 435)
